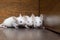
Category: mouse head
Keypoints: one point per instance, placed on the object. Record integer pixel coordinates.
(29, 20)
(38, 20)
(21, 20)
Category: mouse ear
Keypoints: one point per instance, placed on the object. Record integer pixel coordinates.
(32, 15)
(41, 16)
(20, 15)
(15, 18)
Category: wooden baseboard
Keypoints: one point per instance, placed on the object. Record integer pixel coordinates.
(53, 31)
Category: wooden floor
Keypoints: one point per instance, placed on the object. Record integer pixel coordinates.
(27, 34)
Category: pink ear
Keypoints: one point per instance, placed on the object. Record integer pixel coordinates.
(41, 16)
(32, 15)
(15, 19)
(20, 15)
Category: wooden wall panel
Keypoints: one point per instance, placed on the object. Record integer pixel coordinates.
(15, 7)
(50, 6)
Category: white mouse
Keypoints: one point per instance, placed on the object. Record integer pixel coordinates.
(38, 21)
(29, 21)
(9, 22)
(21, 20)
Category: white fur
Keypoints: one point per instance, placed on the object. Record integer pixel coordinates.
(22, 20)
(29, 21)
(9, 22)
(38, 21)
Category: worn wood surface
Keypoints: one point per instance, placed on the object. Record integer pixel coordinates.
(27, 34)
